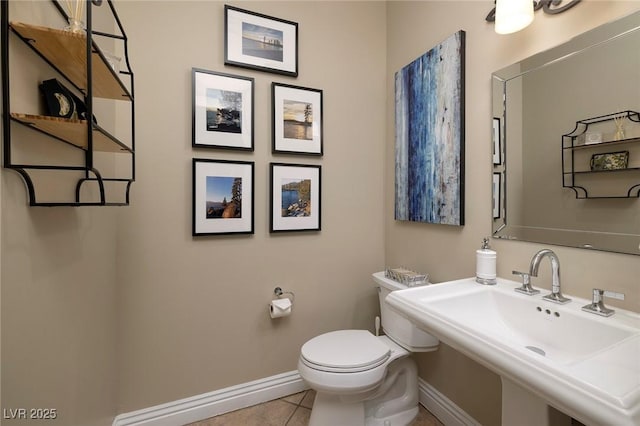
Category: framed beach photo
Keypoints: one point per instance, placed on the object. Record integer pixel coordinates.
(222, 197)
(222, 110)
(260, 42)
(295, 197)
(297, 119)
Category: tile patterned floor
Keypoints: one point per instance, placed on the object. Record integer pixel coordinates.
(292, 410)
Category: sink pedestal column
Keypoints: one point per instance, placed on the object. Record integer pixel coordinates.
(523, 408)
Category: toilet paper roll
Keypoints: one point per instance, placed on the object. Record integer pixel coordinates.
(280, 308)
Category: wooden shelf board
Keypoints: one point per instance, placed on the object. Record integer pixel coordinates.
(71, 131)
(67, 51)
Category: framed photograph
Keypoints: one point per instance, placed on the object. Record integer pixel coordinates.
(610, 161)
(260, 42)
(222, 110)
(497, 145)
(497, 200)
(429, 151)
(297, 119)
(222, 197)
(295, 197)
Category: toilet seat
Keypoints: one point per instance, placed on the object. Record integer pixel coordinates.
(345, 351)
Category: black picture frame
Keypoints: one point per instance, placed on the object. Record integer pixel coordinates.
(295, 202)
(497, 195)
(297, 115)
(260, 42)
(222, 110)
(497, 142)
(213, 179)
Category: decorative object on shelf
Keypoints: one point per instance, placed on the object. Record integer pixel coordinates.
(497, 180)
(406, 276)
(591, 138)
(295, 197)
(222, 110)
(260, 42)
(75, 11)
(58, 99)
(610, 161)
(61, 102)
(297, 119)
(619, 122)
(222, 197)
(497, 145)
(429, 182)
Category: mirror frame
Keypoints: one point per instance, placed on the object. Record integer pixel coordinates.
(610, 242)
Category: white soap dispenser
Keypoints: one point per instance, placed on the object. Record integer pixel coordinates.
(486, 264)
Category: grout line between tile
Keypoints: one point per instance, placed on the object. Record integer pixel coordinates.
(297, 407)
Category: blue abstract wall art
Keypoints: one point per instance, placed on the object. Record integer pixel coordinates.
(429, 99)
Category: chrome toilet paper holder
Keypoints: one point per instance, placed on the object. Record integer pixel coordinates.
(279, 293)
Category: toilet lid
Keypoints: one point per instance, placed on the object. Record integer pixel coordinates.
(346, 349)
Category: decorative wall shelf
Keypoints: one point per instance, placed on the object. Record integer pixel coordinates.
(576, 153)
(79, 59)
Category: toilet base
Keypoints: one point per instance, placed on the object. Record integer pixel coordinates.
(393, 403)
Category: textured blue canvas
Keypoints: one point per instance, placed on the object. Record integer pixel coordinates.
(429, 99)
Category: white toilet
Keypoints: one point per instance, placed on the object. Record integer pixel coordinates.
(361, 379)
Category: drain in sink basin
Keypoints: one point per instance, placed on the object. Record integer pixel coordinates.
(536, 350)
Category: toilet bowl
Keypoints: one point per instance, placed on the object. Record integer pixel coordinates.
(362, 379)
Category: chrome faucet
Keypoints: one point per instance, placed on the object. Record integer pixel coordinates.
(555, 295)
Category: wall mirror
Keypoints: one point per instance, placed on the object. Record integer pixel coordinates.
(566, 137)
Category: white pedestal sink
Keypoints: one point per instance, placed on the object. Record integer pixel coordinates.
(582, 364)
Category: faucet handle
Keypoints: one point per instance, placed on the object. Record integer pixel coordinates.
(597, 303)
(615, 295)
(526, 278)
(526, 284)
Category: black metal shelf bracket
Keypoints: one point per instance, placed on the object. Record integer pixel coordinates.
(90, 173)
(569, 147)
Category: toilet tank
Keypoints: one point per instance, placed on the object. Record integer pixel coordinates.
(397, 327)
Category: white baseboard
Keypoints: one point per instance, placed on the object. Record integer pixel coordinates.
(211, 404)
(233, 398)
(442, 407)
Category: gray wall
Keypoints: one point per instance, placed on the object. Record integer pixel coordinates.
(193, 311)
(111, 310)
